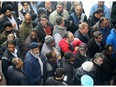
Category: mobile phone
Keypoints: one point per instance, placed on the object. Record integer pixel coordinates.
(65, 78)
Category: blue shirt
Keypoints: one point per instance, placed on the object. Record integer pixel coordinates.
(105, 8)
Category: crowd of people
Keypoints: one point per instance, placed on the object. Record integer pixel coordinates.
(55, 43)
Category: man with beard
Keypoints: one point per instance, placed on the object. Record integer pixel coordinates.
(8, 29)
(25, 9)
(58, 12)
(33, 66)
(25, 27)
(32, 38)
(14, 6)
(9, 16)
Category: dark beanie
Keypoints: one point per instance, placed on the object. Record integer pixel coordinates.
(68, 55)
(7, 24)
(99, 10)
(41, 10)
(49, 39)
(33, 45)
(6, 7)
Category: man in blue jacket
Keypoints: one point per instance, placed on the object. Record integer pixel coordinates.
(112, 36)
(33, 65)
(101, 4)
(111, 39)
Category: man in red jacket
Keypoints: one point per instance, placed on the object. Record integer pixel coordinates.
(69, 43)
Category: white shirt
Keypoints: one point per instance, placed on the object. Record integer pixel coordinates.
(15, 52)
(40, 61)
(12, 20)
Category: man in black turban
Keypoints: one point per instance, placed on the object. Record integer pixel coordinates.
(8, 16)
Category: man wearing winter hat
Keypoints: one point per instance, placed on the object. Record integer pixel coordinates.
(82, 55)
(33, 65)
(8, 29)
(93, 19)
(86, 68)
(48, 45)
(87, 80)
(41, 11)
(101, 4)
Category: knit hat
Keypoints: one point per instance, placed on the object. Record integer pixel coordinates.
(6, 7)
(83, 46)
(49, 39)
(33, 45)
(41, 10)
(87, 66)
(86, 80)
(99, 10)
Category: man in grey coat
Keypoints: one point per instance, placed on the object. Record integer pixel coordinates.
(16, 75)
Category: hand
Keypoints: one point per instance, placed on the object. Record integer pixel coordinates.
(1, 77)
(76, 48)
(13, 25)
(111, 82)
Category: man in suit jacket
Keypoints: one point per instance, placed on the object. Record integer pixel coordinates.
(8, 16)
(8, 55)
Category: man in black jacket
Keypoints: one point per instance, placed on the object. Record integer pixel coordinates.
(86, 68)
(57, 79)
(108, 66)
(44, 28)
(81, 56)
(92, 20)
(95, 44)
(50, 65)
(16, 75)
(97, 73)
(9, 16)
(67, 64)
(8, 55)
